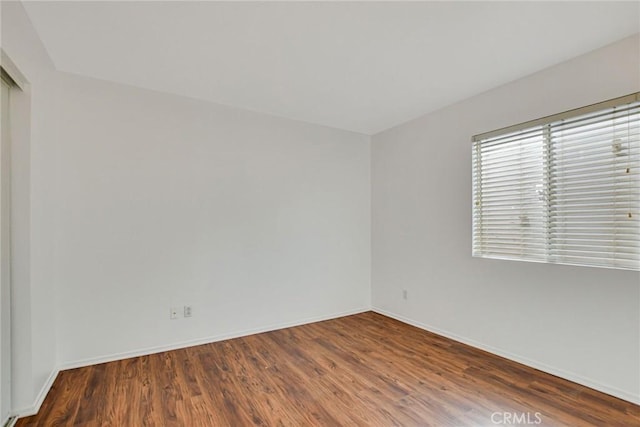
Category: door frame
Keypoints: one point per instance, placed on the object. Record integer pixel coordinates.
(5, 249)
(17, 85)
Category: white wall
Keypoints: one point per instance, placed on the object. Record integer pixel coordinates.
(129, 202)
(255, 221)
(33, 319)
(580, 323)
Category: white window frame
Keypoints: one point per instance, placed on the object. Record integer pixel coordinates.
(557, 221)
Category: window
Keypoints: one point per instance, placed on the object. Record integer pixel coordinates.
(563, 189)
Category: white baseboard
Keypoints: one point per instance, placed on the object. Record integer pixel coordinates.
(621, 394)
(33, 409)
(206, 340)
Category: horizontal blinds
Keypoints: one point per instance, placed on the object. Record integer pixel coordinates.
(564, 191)
(594, 206)
(510, 214)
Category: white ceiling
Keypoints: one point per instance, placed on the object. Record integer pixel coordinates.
(362, 66)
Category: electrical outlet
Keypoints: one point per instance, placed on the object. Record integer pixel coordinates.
(173, 313)
(187, 311)
(404, 294)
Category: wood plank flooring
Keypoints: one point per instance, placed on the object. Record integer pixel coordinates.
(361, 370)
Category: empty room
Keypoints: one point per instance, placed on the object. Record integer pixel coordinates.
(320, 213)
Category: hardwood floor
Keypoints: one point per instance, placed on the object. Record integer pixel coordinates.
(365, 369)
